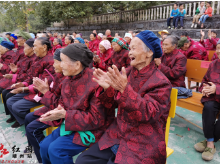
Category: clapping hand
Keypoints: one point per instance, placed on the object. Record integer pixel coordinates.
(40, 85)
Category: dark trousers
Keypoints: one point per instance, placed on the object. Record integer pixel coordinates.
(5, 96)
(95, 156)
(169, 19)
(179, 18)
(34, 131)
(211, 127)
(20, 107)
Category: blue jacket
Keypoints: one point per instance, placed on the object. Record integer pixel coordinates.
(174, 12)
(180, 14)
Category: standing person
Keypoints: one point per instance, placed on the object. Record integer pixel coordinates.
(211, 42)
(207, 14)
(128, 37)
(173, 15)
(199, 12)
(93, 43)
(108, 33)
(210, 88)
(142, 95)
(180, 16)
(13, 38)
(57, 43)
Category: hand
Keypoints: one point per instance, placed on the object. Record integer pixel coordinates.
(18, 90)
(13, 67)
(171, 17)
(56, 114)
(17, 85)
(96, 59)
(208, 90)
(40, 85)
(8, 76)
(202, 33)
(1, 65)
(100, 78)
(157, 61)
(95, 52)
(209, 34)
(118, 81)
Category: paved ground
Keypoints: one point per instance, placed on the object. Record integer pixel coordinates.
(182, 138)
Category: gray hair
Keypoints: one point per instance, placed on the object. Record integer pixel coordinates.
(174, 39)
(145, 48)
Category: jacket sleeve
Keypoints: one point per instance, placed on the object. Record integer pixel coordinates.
(152, 105)
(89, 120)
(178, 70)
(5, 68)
(171, 14)
(205, 78)
(202, 42)
(197, 11)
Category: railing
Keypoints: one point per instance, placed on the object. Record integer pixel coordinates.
(152, 13)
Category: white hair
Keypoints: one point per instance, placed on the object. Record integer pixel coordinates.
(146, 49)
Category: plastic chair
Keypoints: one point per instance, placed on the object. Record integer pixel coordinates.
(173, 99)
(36, 108)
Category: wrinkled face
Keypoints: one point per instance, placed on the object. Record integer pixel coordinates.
(69, 68)
(116, 47)
(20, 41)
(174, 6)
(107, 32)
(102, 48)
(213, 35)
(76, 41)
(3, 50)
(128, 39)
(57, 67)
(39, 49)
(167, 46)
(207, 5)
(55, 42)
(218, 50)
(181, 7)
(67, 41)
(92, 37)
(28, 51)
(202, 4)
(116, 35)
(104, 38)
(186, 46)
(139, 57)
(12, 38)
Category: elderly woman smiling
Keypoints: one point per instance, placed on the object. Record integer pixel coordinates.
(142, 95)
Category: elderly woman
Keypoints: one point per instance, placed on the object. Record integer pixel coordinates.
(19, 105)
(18, 73)
(68, 40)
(128, 37)
(6, 53)
(34, 128)
(172, 63)
(79, 40)
(142, 95)
(94, 43)
(13, 39)
(192, 49)
(119, 56)
(57, 43)
(81, 118)
(211, 42)
(105, 52)
(99, 37)
(210, 88)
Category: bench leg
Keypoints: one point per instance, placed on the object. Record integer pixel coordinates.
(189, 84)
(197, 88)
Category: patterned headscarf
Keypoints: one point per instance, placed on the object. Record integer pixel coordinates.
(80, 40)
(122, 42)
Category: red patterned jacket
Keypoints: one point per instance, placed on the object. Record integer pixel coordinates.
(196, 51)
(84, 110)
(93, 45)
(6, 59)
(214, 57)
(173, 66)
(104, 57)
(15, 43)
(212, 75)
(120, 59)
(55, 48)
(21, 74)
(143, 108)
(38, 70)
(19, 55)
(210, 44)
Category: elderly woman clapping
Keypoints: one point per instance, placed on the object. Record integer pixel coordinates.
(105, 52)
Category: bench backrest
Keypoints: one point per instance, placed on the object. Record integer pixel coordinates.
(210, 54)
(196, 69)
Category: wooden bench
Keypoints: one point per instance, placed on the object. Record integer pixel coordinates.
(196, 70)
(210, 54)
